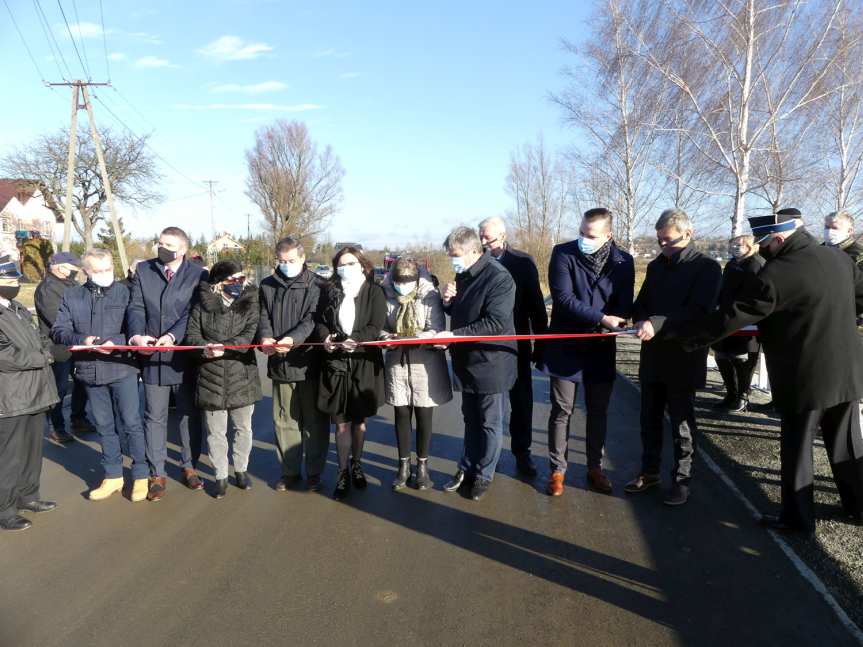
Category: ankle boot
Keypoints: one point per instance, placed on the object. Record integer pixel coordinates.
(403, 475)
(423, 480)
(343, 485)
(221, 488)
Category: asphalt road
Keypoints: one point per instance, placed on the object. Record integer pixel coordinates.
(517, 568)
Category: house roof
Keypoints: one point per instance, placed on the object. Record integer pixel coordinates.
(21, 189)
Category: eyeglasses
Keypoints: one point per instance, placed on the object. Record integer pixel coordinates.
(233, 280)
(669, 243)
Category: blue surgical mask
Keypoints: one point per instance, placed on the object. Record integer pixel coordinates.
(588, 245)
(458, 264)
(233, 290)
(350, 273)
(290, 269)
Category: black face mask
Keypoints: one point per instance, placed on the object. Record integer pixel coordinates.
(9, 292)
(766, 253)
(166, 255)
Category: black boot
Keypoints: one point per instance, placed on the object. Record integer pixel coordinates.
(243, 481)
(729, 378)
(221, 489)
(357, 475)
(343, 485)
(403, 475)
(456, 482)
(740, 405)
(423, 480)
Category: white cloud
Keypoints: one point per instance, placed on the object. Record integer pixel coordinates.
(273, 107)
(116, 56)
(252, 88)
(349, 75)
(233, 48)
(154, 61)
(330, 53)
(80, 30)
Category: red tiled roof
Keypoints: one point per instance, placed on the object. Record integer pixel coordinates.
(21, 189)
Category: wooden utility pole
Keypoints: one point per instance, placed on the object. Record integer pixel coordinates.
(79, 90)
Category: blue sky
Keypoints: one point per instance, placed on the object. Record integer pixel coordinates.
(422, 102)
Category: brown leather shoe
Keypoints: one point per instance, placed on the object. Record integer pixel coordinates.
(598, 481)
(190, 478)
(641, 483)
(555, 484)
(156, 488)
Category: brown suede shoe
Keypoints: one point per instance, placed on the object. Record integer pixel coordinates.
(641, 483)
(598, 481)
(156, 488)
(190, 478)
(555, 484)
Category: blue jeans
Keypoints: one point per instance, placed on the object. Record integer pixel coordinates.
(156, 399)
(483, 433)
(62, 371)
(115, 410)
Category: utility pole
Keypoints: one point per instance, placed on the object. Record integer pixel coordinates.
(210, 183)
(79, 91)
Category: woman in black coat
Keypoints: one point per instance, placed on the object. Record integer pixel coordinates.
(351, 310)
(736, 357)
(228, 385)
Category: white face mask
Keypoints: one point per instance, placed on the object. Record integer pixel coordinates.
(102, 279)
(350, 273)
(405, 288)
(291, 269)
(833, 236)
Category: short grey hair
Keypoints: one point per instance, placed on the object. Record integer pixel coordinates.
(842, 215)
(494, 221)
(676, 218)
(463, 239)
(97, 252)
(288, 243)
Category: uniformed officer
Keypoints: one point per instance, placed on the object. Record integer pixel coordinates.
(814, 358)
(27, 391)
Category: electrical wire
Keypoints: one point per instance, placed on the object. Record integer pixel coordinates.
(72, 38)
(24, 42)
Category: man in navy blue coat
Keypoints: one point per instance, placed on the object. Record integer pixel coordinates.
(163, 291)
(592, 282)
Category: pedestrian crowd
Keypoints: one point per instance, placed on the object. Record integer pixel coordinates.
(803, 296)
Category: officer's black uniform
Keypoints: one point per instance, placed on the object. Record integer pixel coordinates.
(805, 302)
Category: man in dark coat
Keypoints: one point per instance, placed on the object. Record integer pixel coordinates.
(681, 283)
(530, 317)
(591, 282)
(163, 290)
(288, 301)
(480, 303)
(27, 391)
(736, 357)
(227, 383)
(93, 314)
(814, 358)
(62, 270)
(839, 233)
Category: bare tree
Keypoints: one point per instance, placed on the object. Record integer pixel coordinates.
(297, 188)
(726, 58)
(131, 171)
(616, 101)
(541, 188)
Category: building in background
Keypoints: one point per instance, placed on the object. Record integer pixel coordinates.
(23, 213)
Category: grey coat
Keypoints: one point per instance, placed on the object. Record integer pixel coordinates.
(417, 375)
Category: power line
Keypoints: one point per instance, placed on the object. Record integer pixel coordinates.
(72, 38)
(24, 42)
(81, 38)
(56, 52)
(104, 41)
(134, 109)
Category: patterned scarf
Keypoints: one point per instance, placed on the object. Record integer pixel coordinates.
(406, 319)
(596, 261)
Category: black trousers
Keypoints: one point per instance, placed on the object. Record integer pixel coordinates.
(737, 374)
(424, 416)
(521, 406)
(680, 401)
(20, 461)
(843, 440)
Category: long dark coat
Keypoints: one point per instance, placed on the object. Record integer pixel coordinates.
(805, 303)
(684, 288)
(352, 384)
(230, 381)
(733, 275)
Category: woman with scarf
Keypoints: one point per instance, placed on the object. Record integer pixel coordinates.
(228, 385)
(351, 310)
(417, 378)
(736, 357)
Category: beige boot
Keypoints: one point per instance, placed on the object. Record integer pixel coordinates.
(108, 487)
(139, 490)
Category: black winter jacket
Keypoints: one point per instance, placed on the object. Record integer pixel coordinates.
(47, 301)
(230, 381)
(287, 310)
(26, 380)
(733, 275)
